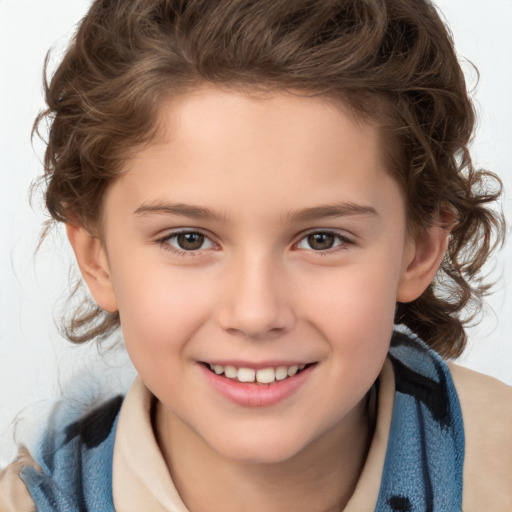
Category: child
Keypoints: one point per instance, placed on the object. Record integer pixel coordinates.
(274, 201)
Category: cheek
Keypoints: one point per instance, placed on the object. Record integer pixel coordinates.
(160, 309)
(359, 296)
(354, 308)
(355, 320)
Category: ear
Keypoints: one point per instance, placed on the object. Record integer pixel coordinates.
(423, 256)
(93, 263)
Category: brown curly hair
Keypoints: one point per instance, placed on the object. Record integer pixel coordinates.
(391, 61)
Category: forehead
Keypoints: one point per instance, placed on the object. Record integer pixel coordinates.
(215, 143)
(299, 112)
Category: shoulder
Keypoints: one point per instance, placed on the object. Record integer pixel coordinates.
(70, 465)
(486, 406)
(14, 495)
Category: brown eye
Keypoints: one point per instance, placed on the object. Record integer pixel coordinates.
(190, 241)
(324, 242)
(186, 243)
(321, 241)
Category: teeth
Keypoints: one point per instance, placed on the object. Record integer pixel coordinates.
(230, 372)
(266, 375)
(281, 373)
(292, 371)
(262, 376)
(246, 374)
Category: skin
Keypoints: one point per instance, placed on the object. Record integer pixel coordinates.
(269, 171)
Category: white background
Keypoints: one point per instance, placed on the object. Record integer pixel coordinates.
(35, 362)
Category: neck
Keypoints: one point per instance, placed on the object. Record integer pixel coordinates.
(321, 478)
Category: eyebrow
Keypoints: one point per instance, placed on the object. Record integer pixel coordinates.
(302, 215)
(332, 210)
(183, 210)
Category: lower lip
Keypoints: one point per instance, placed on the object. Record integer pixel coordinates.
(253, 394)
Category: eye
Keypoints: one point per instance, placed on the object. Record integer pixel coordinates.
(322, 241)
(186, 241)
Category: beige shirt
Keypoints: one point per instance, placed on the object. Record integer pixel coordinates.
(141, 481)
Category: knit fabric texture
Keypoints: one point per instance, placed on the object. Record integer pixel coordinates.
(76, 463)
(425, 454)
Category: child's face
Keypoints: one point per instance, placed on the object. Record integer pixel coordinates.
(296, 254)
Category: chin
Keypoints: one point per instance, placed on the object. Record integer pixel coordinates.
(258, 449)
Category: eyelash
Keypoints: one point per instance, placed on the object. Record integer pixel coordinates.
(164, 242)
(342, 245)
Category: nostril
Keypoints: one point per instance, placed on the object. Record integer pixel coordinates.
(254, 311)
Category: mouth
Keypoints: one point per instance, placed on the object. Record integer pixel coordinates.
(260, 376)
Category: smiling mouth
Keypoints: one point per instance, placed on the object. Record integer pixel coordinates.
(260, 376)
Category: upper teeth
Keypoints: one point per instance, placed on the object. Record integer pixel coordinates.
(263, 376)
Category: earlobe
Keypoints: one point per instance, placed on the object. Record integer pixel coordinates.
(93, 263)
(423, 257)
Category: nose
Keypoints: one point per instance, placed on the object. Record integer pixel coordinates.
(256, 302)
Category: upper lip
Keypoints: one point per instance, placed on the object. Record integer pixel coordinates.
(257, 365)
